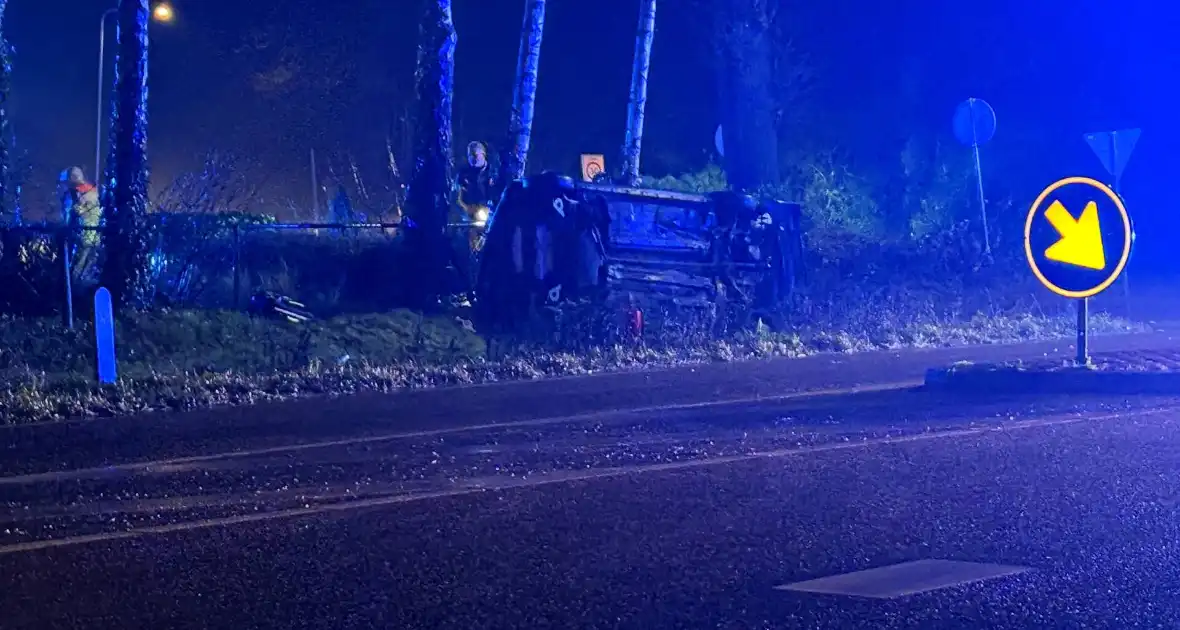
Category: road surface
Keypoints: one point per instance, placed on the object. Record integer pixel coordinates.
(42, 448)
(684, 516)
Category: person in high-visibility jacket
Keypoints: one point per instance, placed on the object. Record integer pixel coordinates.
(82, 214)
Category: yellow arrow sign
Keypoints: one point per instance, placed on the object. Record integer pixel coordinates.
(1081, 238)
(1081, 243)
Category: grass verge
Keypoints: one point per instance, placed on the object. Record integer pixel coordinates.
(177, 360)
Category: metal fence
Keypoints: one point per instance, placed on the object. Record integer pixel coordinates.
(46, 268)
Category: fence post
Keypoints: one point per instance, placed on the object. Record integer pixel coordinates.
(237, 244)
(68, 314)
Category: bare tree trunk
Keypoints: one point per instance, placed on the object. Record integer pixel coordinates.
(745, 93)
(638, 103)
(9, 210)
(520, 126)
(127, 242)
(428, 197)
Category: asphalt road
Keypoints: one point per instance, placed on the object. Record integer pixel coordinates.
(686, 516)
(29, 449)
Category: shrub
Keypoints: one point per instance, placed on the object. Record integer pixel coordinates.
(941, 190)
(193, 259)
(707, 180)
(835, 200)
(31, 273)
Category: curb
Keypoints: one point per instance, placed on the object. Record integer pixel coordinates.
(983, 379)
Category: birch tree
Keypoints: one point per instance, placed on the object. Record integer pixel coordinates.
(637, 103)
(520, 126)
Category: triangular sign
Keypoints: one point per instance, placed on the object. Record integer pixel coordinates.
(1113, 148)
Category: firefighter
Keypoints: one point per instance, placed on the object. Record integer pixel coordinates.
(81, 209)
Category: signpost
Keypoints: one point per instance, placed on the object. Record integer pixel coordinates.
(1077, 239)
(104, 336)
(1114, 149)
(975, 124)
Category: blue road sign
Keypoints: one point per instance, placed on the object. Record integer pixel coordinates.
(104, 336)
(1078, 237)
(974, 122)
(1114, 148)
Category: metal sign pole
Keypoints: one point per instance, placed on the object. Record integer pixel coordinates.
(68, 313)
(987, 241)
(974, 124)
(315, 190)
(1114, 149)
(1118, 176)
(1077, 242)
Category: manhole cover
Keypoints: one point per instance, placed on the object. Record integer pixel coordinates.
(907, 578)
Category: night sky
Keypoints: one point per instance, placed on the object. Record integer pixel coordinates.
(273, 79)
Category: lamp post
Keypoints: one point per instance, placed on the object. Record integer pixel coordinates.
(163, 13)
(102, 48)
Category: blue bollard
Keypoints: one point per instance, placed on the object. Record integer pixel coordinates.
(104, 336)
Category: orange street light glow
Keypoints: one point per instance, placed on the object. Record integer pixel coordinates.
(163, 13)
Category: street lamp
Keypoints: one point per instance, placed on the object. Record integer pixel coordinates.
(163, 13)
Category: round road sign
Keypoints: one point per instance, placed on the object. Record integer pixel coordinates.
(1078, 237)
(974, 122)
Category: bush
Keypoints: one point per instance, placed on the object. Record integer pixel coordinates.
(834, 200)
(31, 272)
(707, 180)
(941, 189)
(193, 258)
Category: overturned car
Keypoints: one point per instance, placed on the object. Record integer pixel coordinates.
(552, 243)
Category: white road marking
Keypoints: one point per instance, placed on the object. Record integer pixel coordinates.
(906, 578)
(169, 465)
(567, 477)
